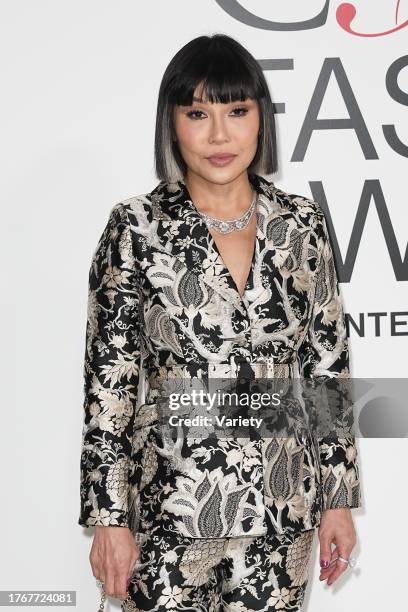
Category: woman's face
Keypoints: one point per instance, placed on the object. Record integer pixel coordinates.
(204, 130)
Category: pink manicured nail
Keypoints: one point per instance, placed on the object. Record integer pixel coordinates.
(323, 563)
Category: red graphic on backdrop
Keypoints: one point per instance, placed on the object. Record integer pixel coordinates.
(346, 12)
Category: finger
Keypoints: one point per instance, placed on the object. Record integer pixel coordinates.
(130, 574)
(95, 566)
(120, 585)
(109, 583)
(133, 570)
(344, 551)
(327, 571)
(333, 557)
(135, 563)
(325, 550)
(99, 574)
(340, 568)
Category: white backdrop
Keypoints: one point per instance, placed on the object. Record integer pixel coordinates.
(79, 87)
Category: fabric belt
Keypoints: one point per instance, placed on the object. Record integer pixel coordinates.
(259, 368)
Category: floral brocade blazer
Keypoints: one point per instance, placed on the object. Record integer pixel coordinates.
(162, 304)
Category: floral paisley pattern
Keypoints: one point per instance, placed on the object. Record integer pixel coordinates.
(231, 574)
(162, 305)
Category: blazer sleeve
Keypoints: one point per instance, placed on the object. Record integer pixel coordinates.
(324, 354)
(111, 376)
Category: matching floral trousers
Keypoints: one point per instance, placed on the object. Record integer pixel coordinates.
(244, 574)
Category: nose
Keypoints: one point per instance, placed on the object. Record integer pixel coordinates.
(218, 131)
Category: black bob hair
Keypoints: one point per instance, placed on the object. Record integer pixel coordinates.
(228, 73)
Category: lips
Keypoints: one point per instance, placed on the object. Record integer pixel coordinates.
(221, 160)
(222, 157)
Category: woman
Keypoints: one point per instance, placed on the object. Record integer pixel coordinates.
(214, 274)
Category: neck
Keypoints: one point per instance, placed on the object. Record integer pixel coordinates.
(222, 200)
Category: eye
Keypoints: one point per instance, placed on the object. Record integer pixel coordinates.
(192, 114)
(241, 108)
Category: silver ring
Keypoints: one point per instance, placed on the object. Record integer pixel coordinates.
(99, 583)
(351, 561)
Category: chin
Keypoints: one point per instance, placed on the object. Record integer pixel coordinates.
(222, 175)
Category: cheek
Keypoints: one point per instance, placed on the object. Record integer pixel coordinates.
(189, 137)
(247, 131)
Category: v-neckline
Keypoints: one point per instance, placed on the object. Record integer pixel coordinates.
(225, 273)
(248, 281)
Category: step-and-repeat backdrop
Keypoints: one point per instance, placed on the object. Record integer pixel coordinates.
(80, 84)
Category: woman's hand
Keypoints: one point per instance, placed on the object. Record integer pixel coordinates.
(113, 555)
(336, 526)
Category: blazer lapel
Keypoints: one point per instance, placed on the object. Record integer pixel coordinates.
(183, 234)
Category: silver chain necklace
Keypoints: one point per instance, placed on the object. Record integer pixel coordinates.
(225, 226)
